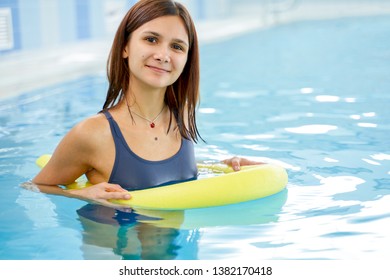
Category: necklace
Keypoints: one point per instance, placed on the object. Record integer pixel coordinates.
(151, 122)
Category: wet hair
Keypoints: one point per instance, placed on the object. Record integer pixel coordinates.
(183, 94)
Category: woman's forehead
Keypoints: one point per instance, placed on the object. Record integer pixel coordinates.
(171, 27)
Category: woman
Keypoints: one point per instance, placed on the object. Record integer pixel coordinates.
(144, 135)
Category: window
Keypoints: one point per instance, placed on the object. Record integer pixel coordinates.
(6, 30)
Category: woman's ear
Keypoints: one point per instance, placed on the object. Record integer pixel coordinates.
(125, 52)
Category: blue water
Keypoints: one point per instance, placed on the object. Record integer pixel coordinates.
(311, 96)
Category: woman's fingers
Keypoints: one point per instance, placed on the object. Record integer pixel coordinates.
(237, 162)
(113, 191)
(102, 192)
(234, 162)
(117, 195)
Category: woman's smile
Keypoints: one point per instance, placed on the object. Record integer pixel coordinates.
(158, 69)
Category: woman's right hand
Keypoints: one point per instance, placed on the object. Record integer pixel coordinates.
(101, 193)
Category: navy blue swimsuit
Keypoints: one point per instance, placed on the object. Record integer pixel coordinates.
(132, 172)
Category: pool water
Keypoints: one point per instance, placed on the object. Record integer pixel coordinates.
(311, 96)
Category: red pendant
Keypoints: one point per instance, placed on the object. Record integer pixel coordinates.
(152, 125)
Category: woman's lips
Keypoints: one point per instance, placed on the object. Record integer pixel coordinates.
(158, 69)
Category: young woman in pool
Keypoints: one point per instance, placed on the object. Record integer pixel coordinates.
(144, 135)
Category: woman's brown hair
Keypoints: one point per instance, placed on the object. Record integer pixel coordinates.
(182, 95)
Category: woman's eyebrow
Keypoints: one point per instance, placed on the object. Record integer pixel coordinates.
(152, 33)
(181, 42)
(177, 40)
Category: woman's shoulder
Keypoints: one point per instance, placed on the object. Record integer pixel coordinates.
(92, 125)
(91, 130)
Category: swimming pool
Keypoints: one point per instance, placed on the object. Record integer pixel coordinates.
(312, 96)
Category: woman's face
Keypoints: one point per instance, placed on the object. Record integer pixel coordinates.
(157, 52)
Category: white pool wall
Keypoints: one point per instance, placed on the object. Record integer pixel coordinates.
(59, 40)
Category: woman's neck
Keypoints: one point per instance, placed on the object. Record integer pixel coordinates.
(146, 101)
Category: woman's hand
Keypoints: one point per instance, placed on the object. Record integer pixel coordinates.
(101, 193)
(237, 162)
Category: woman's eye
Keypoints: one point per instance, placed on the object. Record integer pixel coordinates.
(177, 47)
(151, 39)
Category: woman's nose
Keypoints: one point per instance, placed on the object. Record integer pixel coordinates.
(162, 55)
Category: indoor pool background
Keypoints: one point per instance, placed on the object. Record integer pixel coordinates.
(312, 96)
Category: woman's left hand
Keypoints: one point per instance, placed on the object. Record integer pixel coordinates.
(237, 162)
